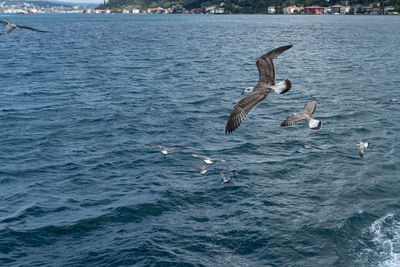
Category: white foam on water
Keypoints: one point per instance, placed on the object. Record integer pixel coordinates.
(385, 237)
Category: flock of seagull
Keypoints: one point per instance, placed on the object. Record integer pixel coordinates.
(266, 85)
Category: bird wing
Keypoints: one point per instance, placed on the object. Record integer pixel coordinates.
(157, 146)
(29, 28)
(175, 148)
(242, 109)
(4, 22)
(200, 156)
(293, 119)
(265, 65)
(310, 107)
(218, 159)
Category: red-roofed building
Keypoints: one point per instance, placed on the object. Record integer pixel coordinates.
(314, 10)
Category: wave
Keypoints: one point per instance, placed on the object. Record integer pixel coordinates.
(382, 242)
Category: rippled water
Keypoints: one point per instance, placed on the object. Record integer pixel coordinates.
(79, 106)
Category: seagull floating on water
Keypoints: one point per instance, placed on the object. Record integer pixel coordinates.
(361, 147)
(307, 146)
(225, 177)
(164, 150)
(9, 27)
(387, 100)
(306, 114)
(266, 85)
(208, 160)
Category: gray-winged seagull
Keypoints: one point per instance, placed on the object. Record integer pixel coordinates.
(383, 100)
(361, 147)
(9, 27)
(306, 114)
(225, 177)
(164, 150)
(266, 85)
(203, 169)
(208, 160)
(307, 146)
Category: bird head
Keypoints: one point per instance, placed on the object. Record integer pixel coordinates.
(248, 90)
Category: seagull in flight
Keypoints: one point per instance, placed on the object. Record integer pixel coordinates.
(208, 160)
(203, 170)
(9, 27)
(306, 114)
(383, 100)
(266, 85)
(164, 150)
(225, 177)
(361, 147)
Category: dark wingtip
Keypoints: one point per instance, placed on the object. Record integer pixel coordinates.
(227, 130)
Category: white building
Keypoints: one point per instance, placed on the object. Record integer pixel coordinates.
(271, 10)
(292, 9)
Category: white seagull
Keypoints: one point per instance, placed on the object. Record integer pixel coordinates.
(9, 27)
(208, 160)
(306, 114)
(266, 85)
(225, 178)
(164, 150)
(361, 147)
(203, 170)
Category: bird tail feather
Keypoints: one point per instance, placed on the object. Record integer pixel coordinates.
(282, 87)
(315, 124)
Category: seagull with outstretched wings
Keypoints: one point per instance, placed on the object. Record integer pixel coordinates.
(9, 27)
(306, 114)
(164, 150)
(266, 84)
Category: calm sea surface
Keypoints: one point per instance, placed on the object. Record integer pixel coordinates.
(79, 184)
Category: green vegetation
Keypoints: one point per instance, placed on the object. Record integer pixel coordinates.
(238, 6)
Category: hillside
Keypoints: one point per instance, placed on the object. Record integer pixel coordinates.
(237, 6)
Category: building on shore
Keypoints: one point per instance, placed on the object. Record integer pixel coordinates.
(313, 10)
(339, 9)
(292, 10)
(271, 10)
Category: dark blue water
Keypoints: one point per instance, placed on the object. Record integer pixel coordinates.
(79, 184)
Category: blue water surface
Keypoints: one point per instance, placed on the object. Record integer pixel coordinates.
(79, 106)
